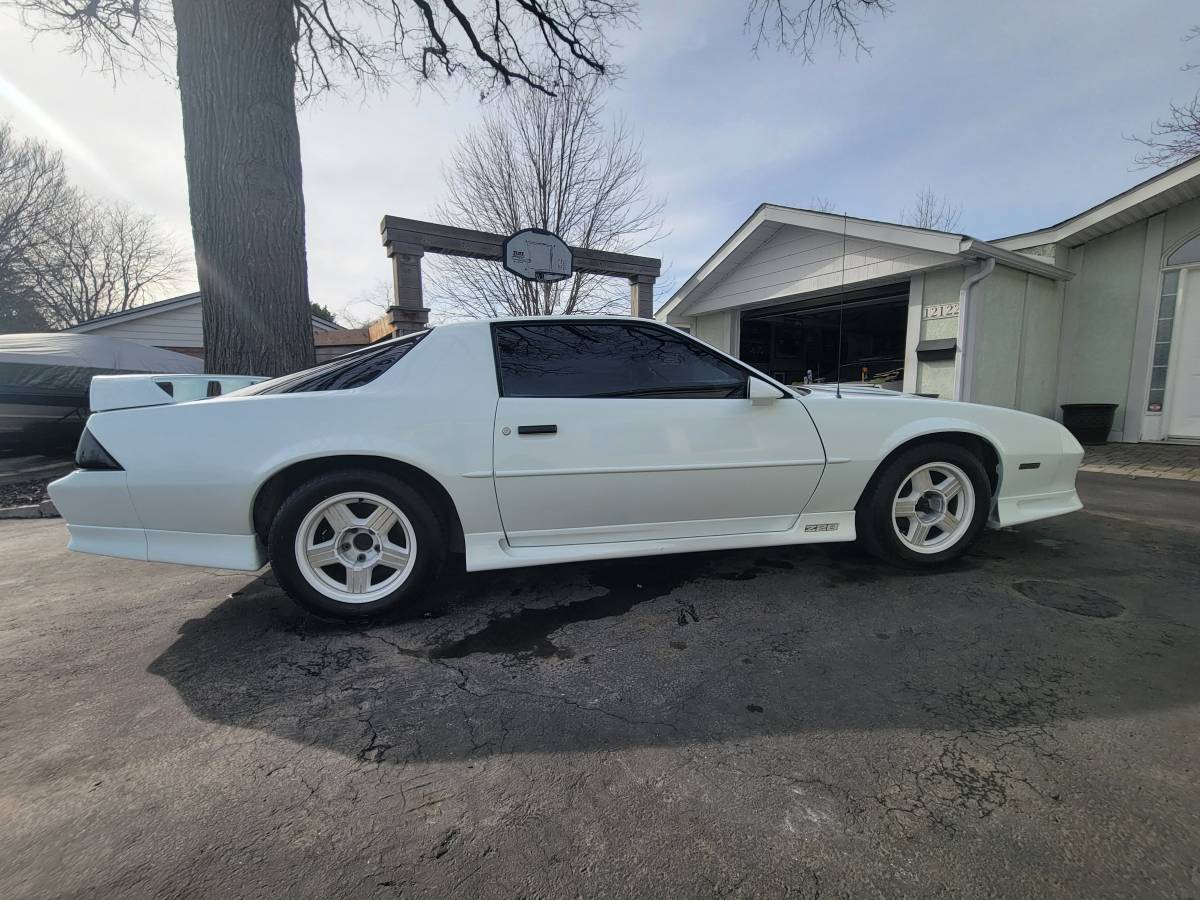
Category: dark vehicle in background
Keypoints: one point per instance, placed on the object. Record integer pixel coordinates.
(44, 381)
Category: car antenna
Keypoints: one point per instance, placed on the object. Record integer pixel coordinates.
(841, 311)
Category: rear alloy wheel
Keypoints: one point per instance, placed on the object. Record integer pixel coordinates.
(926, 506)
(354, 545)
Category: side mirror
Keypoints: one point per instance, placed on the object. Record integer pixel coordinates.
(759, 390)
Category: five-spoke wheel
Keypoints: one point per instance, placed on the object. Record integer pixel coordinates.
(355, 547)
(933, 508)
(356, 544)
(925, 505)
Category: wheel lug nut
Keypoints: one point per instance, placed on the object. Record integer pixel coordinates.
(361, 557)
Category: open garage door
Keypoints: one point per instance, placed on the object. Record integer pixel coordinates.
(800, 340)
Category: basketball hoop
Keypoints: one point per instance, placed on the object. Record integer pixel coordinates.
(537, 255)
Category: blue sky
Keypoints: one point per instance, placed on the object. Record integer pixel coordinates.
(1017, 111)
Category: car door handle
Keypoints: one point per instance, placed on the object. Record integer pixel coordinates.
(537, 429)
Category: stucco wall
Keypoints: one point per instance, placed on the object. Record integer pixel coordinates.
(941, 286)
(1182, 221)
(1038, 387)
(1104, 301)
(1017, 320)
(999, 302)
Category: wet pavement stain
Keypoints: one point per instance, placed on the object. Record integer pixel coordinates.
(744, 575)
(1070, 598)
(527, 631)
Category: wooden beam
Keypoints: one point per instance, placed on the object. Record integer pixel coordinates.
(402, 236)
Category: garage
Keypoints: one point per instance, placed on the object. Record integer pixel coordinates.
(798, 343)
(1101, 310)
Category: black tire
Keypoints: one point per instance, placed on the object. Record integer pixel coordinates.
(874, 515)
(411, 598)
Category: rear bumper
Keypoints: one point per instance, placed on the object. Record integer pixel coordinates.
(102, 520)
(219, 551)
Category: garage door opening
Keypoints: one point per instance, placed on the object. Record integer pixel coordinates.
(799, 342)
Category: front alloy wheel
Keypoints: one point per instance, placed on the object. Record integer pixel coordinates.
(933, 508)
(926, 505)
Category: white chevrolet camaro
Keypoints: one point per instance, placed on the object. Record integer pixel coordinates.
(528, 441)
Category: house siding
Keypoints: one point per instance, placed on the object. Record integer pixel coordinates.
(716, 329)
(169, 328)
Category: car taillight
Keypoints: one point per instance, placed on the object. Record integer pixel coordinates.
(90, 455)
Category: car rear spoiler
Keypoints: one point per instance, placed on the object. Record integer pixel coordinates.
(132, 391)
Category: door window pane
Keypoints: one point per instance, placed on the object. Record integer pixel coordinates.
(592, 359)
(1162, 341)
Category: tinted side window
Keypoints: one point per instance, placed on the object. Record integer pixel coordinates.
(618, 360)
(349, 371)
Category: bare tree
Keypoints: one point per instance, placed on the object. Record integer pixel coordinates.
(822, 204)
(240, 66)
(933, 211)
(1176, 138)
(798, 26)
(546, 162)
(104, 258)
(367, 305)
(33, 188)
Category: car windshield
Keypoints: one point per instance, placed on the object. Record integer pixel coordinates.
(349, 371)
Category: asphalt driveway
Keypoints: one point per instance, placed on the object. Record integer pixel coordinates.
(786, 722)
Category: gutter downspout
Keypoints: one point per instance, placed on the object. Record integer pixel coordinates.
(966, 333)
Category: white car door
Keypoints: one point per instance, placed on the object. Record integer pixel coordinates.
(622, 431)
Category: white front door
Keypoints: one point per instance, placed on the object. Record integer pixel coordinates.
(618, 431)
(1183, 395)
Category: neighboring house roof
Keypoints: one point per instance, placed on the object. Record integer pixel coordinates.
(183, 301)
(320, 323)
(769, 218)
(1150, 197)
(146, 309)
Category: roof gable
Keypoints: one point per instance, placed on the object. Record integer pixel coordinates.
(784, 251)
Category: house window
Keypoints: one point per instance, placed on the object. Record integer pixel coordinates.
(1162, 339)
(1187, 255)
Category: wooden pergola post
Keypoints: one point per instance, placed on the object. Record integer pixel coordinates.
(408, 240)
(641, 290)
(408, 312)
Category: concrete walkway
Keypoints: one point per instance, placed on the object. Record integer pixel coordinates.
(1179, 462)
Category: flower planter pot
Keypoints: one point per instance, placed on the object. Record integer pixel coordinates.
(1089, 422)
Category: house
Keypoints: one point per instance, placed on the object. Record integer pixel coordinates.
(176, 324)
(1103, 307)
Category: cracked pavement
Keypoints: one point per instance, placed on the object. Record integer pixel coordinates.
(795, 722)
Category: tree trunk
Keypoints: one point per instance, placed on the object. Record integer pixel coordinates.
(242, 146)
